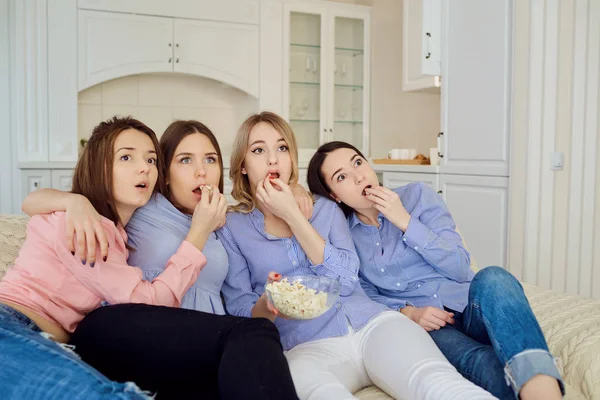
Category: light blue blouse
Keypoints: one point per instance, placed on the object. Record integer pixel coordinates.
(427, 265)
(156, 231)
(253, 253)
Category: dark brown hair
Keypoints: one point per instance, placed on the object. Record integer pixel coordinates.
(93, 175)
(169, 141)
(317, 183)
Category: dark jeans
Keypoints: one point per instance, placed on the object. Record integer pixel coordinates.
(496, 342)
(186, 354)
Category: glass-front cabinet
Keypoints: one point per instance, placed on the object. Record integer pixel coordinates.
(326, 74)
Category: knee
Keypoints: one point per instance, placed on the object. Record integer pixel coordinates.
(252, 327)
(497, 280)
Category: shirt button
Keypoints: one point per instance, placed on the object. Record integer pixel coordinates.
(294, 263)
(398, 284)
(404, 239)
(377, 244)
(419, 285)
(382, 270)
(338, 306)
(379, 219)
(435, 295)
(416, 247)
(354, 278)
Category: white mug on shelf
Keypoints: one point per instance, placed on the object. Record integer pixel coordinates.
(412, 153)
(434, 157)
(399, 154)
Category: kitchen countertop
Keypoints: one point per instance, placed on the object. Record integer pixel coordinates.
(421, 169)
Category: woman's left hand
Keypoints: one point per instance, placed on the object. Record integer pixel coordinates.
(277, 198)
(389, 204)
(303, 199)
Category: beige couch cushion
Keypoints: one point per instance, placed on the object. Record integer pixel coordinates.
(570, 323)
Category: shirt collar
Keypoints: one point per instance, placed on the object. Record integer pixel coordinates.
(354, 220)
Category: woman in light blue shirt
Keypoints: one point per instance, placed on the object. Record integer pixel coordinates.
(413, 260)
(357, 342)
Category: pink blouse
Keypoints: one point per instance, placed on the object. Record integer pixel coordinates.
(50, 281)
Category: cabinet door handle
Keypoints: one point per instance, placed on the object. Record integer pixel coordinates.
(177, 60)
(428, 56)
(439, 192)
(439, 143)
(170, 44)
(169, 60)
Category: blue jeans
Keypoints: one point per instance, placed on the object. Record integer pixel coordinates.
(496, 342)
(33, 367)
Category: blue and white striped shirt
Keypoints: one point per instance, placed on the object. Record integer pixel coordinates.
(253, 253)
(427, 265)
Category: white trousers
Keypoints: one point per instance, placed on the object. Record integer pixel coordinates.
(391, 351)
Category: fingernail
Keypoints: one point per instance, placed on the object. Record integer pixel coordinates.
(276, 275)
(73, 253)
(104, 258)
(92, 264)
(83, 261)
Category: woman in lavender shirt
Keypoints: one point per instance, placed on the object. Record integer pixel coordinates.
(357, 342)
(413, 261)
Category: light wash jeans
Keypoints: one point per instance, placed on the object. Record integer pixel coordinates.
(33, 367)
(391, 351)
(496, 342)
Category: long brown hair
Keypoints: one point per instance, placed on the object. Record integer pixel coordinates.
(93, 175)
(317, 183)
(171, 138)
(241, 185)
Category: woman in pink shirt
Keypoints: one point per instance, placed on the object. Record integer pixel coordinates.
(50, 289)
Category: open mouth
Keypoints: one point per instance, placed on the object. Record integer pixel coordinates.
(273, 175)
(364, 192)
(141, 185)
(200, 188)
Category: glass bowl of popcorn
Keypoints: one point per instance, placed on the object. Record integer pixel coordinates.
(303, 296)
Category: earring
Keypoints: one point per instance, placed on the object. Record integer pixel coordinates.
(339, 201)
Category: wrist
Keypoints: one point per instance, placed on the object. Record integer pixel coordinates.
(403, 221)
(407, 310)
(71, 199)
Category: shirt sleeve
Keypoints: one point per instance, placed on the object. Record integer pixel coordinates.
(432, 233)
(116, 282)
(237, 287)
(374, 294)
(340, 260)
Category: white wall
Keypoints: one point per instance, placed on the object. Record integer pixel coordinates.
(6, 170)
(158, 99)
(398, 119)
(554, 220)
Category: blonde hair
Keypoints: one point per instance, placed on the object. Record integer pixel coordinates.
(242, 192)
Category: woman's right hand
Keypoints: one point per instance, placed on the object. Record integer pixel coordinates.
(84, 227)
(209, 215)
(263, 307)
(430, 318)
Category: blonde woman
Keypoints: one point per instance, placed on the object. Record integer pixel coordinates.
(356, 343)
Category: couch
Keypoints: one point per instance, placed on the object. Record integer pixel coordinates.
(570, 323)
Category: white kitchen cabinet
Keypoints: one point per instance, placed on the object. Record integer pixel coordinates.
(233, 49)
(479, 205)
(62, 179)
(421, 44)
(476, 93)
(32, 180)
(112, 45)
(326, 73)
(394, 180)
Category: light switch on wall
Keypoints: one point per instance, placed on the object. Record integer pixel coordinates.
(557, 160)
